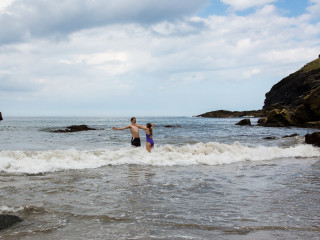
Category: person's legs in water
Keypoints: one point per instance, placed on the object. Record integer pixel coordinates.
(149, 143)
(148, 147)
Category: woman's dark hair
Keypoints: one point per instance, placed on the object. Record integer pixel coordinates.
(150, 127)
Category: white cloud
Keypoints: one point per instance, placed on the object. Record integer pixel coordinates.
(113, 63)
(191, 56)
(26, 19)
(245, 4)
(185, 78)
(4, 4)
(290, 55)
(251, 72)
(314, 9)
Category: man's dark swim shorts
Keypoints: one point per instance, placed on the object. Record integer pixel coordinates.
(135, 142)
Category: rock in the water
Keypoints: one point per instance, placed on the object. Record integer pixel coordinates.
(262, 121)
(8, 220)
(1, 116)
(270, 138)
(313, 139)
(74, 128)
(292, 135)
(244, 122)
(279, 118)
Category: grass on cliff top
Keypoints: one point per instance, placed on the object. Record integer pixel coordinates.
(312, 65)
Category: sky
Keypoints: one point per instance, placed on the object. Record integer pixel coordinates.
(149, 57)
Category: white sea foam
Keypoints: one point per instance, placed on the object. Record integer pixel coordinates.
(7, 209)
(212, 153)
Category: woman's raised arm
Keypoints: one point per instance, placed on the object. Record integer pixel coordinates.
(141, 127)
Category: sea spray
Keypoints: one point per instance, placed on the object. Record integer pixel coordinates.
(212, 153)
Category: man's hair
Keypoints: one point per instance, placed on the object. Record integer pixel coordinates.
(132, 118)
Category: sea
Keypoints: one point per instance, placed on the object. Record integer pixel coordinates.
(205, 179)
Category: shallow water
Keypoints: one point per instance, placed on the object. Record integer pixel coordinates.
(231, 185)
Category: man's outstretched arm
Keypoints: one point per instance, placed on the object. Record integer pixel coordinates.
(122, 128)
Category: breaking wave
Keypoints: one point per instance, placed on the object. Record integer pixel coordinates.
(35, 162)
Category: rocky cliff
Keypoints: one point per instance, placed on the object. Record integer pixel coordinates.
(291, 91)
(294, 101)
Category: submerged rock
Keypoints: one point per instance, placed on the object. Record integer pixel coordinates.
(74, 128)
(8, 220)
(313, 139)
(244, 122)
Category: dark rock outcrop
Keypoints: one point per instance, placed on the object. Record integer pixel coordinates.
(278, 118)
(309, 111)
(313, 139)
(298, 97)
(294, 101)
(1, 117)
(262, 121)
(312, 125)
(312, 102)
(8, 220)
(270, 138)
(244, 122)
(74, 128)
(292, 135)
(290, 92)
(302, 114)
(172, 126)
(232, 114)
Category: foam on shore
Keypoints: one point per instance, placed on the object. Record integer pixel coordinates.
(212, 153)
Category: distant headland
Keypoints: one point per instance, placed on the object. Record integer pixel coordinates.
(294, 101)
(232, 114)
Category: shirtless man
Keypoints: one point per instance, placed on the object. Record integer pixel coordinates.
(135, 140)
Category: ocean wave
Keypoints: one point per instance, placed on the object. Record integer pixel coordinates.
(35, 162)
(4, 209)
(26, 209)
